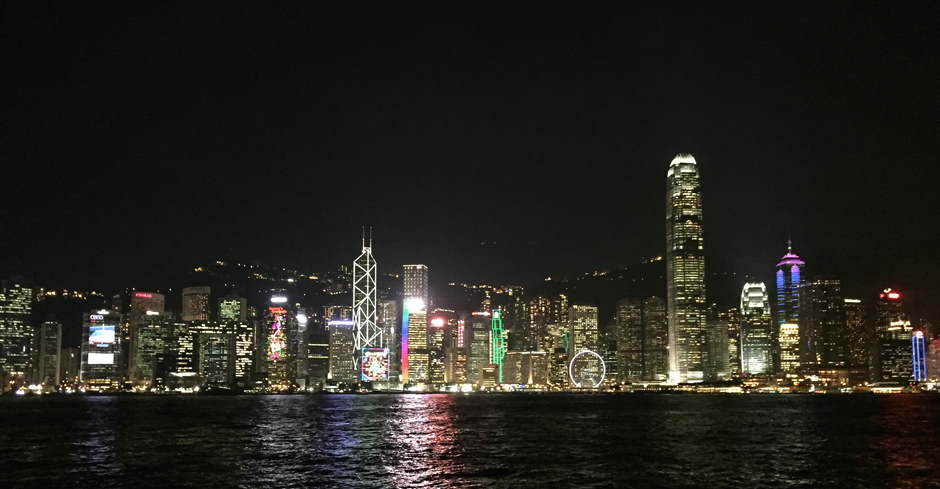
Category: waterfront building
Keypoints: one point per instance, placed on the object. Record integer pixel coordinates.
(436, 348)
(102, 333)
(213, 353)
(16, 334)
(526, 368)
(233, 308)
(629, 340)
(387, 318)
(497, 340)
(489, 376)
(49, 346)
(716, 342)
(685, 271)
(756, 330)
(789, 341)
(70, 364)
(933, 361)
(196, 304)
(151, 338)
(859, 336)
(655, 340)
(822, 323)
(414, 342)
(583, 333)
(478, 343)
(892, 355)
(342, 348)
(919, 355)
(141, 304)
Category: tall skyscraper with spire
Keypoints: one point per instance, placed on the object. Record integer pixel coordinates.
(685, 271)
(367, 332)
(789, 273)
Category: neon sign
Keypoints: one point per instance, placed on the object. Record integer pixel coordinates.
(96, 317)
(144, 295)
(375, 365)
(276, 343)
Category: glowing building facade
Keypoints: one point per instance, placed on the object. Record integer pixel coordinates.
(789, 276)
(582, 329)
(756, 330)
(415, 283)
(16, 335)
(365, 311)
(789, 341)
(49, 344)
(822, 323)
(477, 343)
(102, 335)
(342, 349)
(892, 356)
(414, 342)
(919, 356)
(196, 304)
(858, 334)
(685, 271)
(233, 308)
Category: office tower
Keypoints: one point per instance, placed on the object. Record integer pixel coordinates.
(70, 364)
(49, 349)
(365, 315)
(283, 344)
(436, 348)
(318, 358)
(789, 273)
(387, 317)
(478, 344)
(789, 341)
(152, 336)
(629, 337)
(525, 368)
(233, 308)
(497, 341)
(892, 355)
(344, 313)
(858, 335)
(16, 334)
(716, 348)
(415, 283)
(342, 348)
(655, 340)
(685, 271)
(414, 341)
(933, 361)
(822, 320)
(141, 304)
(196, 304)
(756, 330)
(101, 350)
(919, 354)
(582, 331)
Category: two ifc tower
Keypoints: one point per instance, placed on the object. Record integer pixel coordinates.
(685, 278)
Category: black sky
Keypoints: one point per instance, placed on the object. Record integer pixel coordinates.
(140, 139)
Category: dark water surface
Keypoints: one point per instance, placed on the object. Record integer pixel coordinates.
(550, 440)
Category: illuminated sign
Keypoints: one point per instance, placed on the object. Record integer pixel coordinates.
(483, 313)
(153, 313)
(101, 358)
(437, 322)
(894, 295)
(278, 299)
(277, 310)
(101, 335)
(276, 340)
(96, 317)
(375, 365)
(414, 304)
(144, 295)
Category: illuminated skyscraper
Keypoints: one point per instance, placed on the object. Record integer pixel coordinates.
(919, 356)
(365, 315)
(789, 276)
(387, 317)
(233, 308)
(629, 337)
(892, 356)
(582, 329)
(756, 330)
(101, 350)
(685, 271)
(716, 341)
(497, 341)
(859, 336)
(789, 340)
(196, 304)
(151, 339)
(478, 344)
(141, 304)
(822, 323)
(414, 341)
(16, 334)
(342, 347)
(436, 348)
(415, 283)
(655, 340)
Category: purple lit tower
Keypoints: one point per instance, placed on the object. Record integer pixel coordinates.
(789, 274)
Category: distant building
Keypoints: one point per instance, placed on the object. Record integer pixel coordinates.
(488, 375)
(789, 340)
(16, 332)
(388, 320)
(436, 348)
(933, 361)
(822, 323)
(152, 337)
(859, 336)
(582, 329)
(716, 343)
(629, 338)
(526, 368)
(478, 344)
(414, 342)
(892, 355)
(789, 276)
(655, 340)
(919, 356)
(497, 340)
(757, 340)
(102, 335)
(415, 283)
(49, 353)
(216, 353)
(233, 308)
(196, 304)
(342, 363)
(685, 271)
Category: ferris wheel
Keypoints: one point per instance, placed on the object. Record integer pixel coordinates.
(587, 369)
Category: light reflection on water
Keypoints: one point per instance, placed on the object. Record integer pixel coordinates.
(413, 440)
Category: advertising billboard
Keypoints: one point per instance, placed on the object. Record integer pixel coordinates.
(100, 358)
(101, 334)
(374, 364)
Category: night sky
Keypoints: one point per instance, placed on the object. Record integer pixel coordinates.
(495, 142)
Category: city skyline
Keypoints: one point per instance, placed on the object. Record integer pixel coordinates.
(561, 143)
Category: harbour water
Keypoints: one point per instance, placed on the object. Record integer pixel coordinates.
(477, 440)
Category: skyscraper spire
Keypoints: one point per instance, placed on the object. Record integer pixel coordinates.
(789, 244)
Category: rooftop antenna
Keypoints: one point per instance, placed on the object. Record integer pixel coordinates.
(370, 236)
(789, 244)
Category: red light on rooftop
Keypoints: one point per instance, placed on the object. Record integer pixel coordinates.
(144, 295)
(882, 296)
(894, 295)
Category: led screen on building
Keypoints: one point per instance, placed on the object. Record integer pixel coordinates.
(277, 339)
(101, 359)
(100, 334)
(374, 364)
